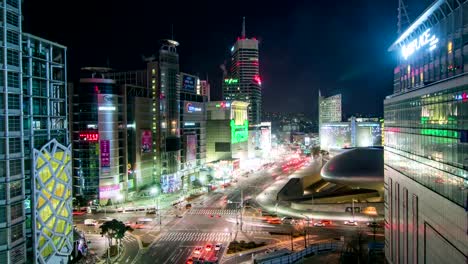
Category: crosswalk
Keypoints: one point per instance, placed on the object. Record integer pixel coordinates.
(194, 236)
(128, 239)
(205, 236)
(195, 211)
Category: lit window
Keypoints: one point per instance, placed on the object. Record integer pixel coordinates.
(421, 76)
(153, 71)
(450, 47)
(409, 69)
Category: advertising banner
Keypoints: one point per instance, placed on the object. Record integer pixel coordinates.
(108, 191)
(105, 153)
(191, 151)
(188, 83)
(146, 141)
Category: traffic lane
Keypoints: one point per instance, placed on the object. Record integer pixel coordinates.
(131, 249)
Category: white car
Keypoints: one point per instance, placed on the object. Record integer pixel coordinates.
(218, 247)
(197, 250)
(351, 223)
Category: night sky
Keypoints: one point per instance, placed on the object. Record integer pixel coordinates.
(334, 46)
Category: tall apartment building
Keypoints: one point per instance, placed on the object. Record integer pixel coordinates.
(426, 140)
(329, 109)
(244, 71)
(35, 170)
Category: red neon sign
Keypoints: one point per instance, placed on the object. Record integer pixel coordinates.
(89, 136)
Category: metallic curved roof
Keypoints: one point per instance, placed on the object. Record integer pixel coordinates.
(357, 166)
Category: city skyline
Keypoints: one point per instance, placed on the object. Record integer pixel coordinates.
(292, 50)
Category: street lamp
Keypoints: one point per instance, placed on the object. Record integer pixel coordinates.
(154, 192)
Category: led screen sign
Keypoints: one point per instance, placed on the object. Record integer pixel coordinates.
(425, 39)
(239, 133)
(231, 81)
(89, 136)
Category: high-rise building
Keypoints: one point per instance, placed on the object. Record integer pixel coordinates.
(243, 83)
(99, 138)
(329, 109)
(426, 139)
(35, 191)
(169, 115)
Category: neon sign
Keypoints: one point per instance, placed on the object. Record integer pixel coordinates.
(425, 39)
(239, 133)
(190, 108)
(230, 81)
(223, 105)
(462, 96)
(106, 108)
(89, 136)
(257, 79)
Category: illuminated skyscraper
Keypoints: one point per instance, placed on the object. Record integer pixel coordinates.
(34, 146)
(426, 140)
(244, 82)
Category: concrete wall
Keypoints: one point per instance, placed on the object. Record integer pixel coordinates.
(420, 225)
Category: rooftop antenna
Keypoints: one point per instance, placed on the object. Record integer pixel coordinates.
(402, 14)
(243, 27)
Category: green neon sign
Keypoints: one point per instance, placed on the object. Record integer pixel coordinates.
(229, 81)
(440, 133)
(239, 133)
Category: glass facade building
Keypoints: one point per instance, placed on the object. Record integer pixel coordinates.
(426, 140)
(99, 139)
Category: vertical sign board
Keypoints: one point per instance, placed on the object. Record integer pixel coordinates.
(105, 153)
(146, 141)
(191, 147)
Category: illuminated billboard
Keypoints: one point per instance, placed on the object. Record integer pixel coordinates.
(105, 153)
(146, 141)
(170, 183)
(109, 191)
(193, 107)
(188, 83)
(191, 148)
(239, 133)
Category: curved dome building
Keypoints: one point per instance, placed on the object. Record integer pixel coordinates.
(356, 168)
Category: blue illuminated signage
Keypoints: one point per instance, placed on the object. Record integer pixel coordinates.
(425, 39)
(191, 108)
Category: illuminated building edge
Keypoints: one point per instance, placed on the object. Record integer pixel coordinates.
(53, 203)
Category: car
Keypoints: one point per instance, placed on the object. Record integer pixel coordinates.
(189, 261)
(90, 222)
(322, 223)
(218, 247)
(287, 220)
(106, 219)
(197, 250)
(151, 211)
(351, 223)
(208, 247)
(374, 224)
(188, 206)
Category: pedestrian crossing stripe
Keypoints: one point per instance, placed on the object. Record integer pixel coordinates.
(196, 236)
(213, 212)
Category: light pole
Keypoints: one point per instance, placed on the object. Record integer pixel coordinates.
(154, 192)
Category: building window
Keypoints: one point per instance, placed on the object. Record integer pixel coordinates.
(13, 3)
(13, 58)
(15, 145)
(15, 168)
(16, 211)
(13, 37)
(13, 101)
(16, 232)
(12, 19)
(13, 79)
(3, 238)
(16, 189)
(14, 123)
(449, 47)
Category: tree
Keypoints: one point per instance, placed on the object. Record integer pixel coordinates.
(114, 229)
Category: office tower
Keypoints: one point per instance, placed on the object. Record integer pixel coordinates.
(243, 82)
(426, 139)
(329, 109)
(99, 139)
(35, 195)
(192, 130)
